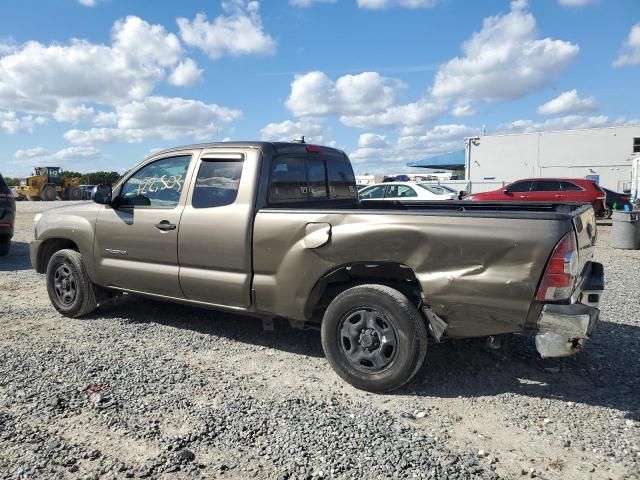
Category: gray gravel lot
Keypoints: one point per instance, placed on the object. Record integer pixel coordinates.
(151, 390)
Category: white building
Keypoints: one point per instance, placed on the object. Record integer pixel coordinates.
(603, 154)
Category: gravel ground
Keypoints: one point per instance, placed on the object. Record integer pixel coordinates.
(150, 390)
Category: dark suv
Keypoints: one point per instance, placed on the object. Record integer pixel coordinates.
(7, 216)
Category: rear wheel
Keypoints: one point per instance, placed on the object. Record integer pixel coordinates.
(74, 193)
(374, 337)
(48, 193)
(70, 289)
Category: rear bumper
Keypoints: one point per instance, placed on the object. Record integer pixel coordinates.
(564, 329)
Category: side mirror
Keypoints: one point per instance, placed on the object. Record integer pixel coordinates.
(507, 191)
(102, 194)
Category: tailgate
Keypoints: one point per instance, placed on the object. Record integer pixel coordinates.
(584, 224)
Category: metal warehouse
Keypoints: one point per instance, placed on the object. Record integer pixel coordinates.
(602, 154)
(490, 161)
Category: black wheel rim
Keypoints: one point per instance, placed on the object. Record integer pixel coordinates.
(368, 340)
(64, 285)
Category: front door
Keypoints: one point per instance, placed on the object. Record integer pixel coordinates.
(136, 244)
(214, 245)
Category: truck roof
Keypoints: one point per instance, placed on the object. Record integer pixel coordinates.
(277, 146)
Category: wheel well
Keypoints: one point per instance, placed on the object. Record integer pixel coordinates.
(394, 275)
(49, 247)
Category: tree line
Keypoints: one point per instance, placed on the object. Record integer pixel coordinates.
(92, 178)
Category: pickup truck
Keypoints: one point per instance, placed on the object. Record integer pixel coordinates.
(276, 230)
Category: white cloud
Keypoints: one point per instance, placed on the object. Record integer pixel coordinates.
(463, 108)
(375, 150)
(105, 118)
(72, 113)
(315, 94)
(11, 122)
(410, 115)
(159, 117)
(88, 3)
(289, 130)
(575, 3)
(68, 155)
(503, 61)
(37, 78)
(185, 74)
(380, 4)
(630, 53)
(566, 103)
(238, 33)
(552, 124)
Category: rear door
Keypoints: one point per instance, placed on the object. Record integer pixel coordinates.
(573, 192)
(546, 191)
(214, 243)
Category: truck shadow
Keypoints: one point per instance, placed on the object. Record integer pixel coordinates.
(606, 373)
(18, 258)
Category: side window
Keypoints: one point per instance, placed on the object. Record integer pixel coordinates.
(520, 187)
(288, 180)
(402, 191)
(570, 187)
(341, 179)
(546, 186)
(158, 184)
(373, 192)
(217, 183)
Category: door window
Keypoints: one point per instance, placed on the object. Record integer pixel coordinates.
(520, 187)
(158, 184)
(216, 184)
(546, 186)
(400, 191)
(373, 192)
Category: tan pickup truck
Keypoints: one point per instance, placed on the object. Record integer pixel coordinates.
(277, 230)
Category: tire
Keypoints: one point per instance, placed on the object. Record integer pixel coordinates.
(70, 289)
(359, 329)
(48, 194)
(5, 247)
(74, 193)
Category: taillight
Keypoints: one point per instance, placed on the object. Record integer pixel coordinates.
(561, 272)
(314, 149)
(603, 194)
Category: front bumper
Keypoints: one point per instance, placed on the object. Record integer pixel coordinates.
(34, 247)
(563, 329)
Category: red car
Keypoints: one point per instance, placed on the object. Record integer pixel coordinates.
(549, 190)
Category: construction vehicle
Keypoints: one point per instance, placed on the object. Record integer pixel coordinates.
(47, 184)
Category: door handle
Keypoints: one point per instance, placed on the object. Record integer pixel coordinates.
(524, 196)
(165, 226)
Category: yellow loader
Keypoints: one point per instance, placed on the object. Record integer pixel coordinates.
(47, 184)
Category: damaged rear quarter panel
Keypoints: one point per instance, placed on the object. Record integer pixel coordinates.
(478, 274)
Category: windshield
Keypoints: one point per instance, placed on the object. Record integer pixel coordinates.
(437, 189)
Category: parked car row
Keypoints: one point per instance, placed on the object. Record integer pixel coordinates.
(555, 190)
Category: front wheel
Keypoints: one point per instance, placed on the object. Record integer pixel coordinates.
(48, 194)
(70, 289)
(374, 337)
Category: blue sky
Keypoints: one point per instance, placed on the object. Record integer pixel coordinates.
(98, 84)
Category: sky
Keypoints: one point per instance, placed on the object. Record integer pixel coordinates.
(100, 84)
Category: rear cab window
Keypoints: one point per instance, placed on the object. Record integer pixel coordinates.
(310, 178)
